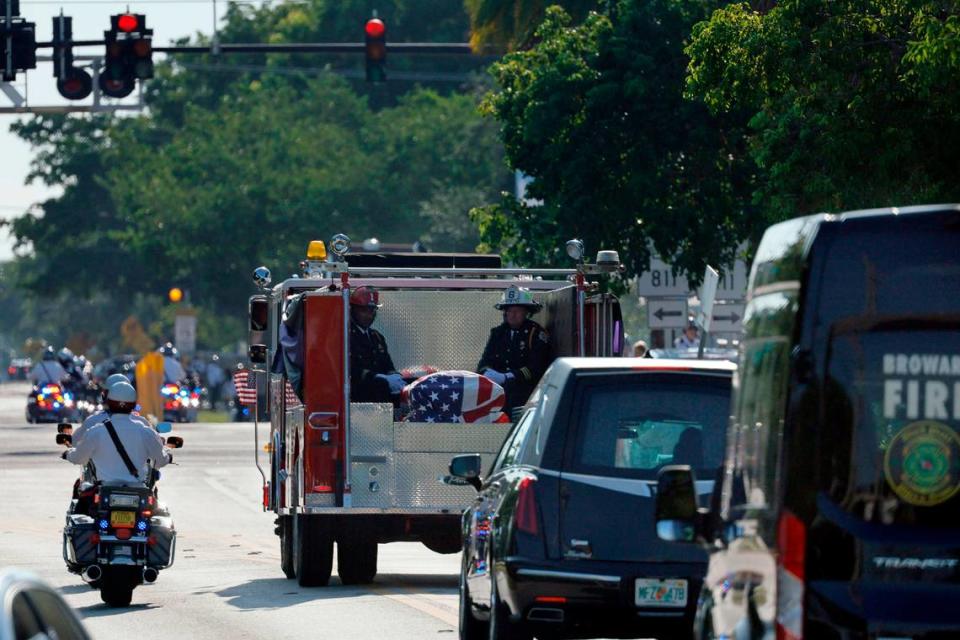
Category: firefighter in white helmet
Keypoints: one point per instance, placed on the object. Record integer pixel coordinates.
(518, 351)
(120, 447)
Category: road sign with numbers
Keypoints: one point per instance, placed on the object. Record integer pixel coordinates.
(659, 282)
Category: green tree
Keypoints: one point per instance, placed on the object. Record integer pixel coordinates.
(507, 25)
(595, 114)
(850, 104)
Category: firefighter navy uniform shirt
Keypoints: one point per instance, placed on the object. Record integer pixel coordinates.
(524, 352)
(368, 357)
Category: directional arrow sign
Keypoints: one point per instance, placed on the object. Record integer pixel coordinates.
(727, 318)
(666, 314)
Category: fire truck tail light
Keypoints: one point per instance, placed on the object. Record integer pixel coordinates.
(324, 420)
(317, 250)
(323, 488)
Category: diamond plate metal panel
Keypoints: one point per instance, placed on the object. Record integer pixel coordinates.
(449, 438)
(418, 482)
(371, 428)
(443, 329)
(372, 484)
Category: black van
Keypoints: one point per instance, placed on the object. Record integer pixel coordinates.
(560, 540)
(839, 515)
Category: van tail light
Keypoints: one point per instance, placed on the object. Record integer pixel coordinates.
(527, 519)
(792, 547)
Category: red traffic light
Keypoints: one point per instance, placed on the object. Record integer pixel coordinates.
(128, 22)
(375, 28)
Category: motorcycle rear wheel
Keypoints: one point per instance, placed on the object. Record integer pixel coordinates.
(116, 595)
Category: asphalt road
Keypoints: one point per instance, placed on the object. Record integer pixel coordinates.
(226, 582)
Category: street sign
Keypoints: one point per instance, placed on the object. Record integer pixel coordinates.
(666, 314)
(727, 318)
(659, 281)
(708, 293)
(185, 333)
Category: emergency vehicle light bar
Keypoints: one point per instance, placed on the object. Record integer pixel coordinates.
(457, 271)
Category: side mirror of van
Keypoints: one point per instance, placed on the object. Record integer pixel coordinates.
(467, 467)
(65, 439)
(174, 442)
(678, 516)
(65, 427)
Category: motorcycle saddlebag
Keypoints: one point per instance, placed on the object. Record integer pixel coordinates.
(163, 542)
(79, 544)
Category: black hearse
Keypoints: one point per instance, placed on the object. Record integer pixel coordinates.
(560, 541)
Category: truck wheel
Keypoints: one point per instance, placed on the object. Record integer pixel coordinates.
(312, 550)
(286, 546)
(357, 561)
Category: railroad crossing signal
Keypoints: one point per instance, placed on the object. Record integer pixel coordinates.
(375, 33)
(129, 55)
(72, 83)
(18, 43)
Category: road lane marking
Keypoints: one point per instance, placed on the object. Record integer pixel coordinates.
(248, 503)
(414, 601)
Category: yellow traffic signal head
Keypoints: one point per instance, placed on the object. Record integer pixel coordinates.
(175, 294)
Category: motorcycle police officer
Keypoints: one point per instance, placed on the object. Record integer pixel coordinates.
(373, 377)
(140, 442)
(518, 351)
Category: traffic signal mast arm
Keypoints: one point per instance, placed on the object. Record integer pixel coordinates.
(421, 48)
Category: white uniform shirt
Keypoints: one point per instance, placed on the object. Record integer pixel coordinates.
(172, 370)
(98, 418)
(141, 443)
(48, 371)
(683, 342)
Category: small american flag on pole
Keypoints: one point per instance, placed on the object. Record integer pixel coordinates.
(244, 383)
(290, 396)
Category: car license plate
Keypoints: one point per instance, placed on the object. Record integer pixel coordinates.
(123, 519)
(660, 593)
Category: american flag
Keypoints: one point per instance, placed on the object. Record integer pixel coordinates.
(455, 396)
(290, 395)
(244, 383)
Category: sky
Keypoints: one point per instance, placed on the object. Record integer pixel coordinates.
(169, 19)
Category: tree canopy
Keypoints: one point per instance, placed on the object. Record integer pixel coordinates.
(595, 114)
(242, 160)
(849, 104)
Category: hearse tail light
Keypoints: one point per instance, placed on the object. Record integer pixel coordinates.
(527, 519)
(792, 548)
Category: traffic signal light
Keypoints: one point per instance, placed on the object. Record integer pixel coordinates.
(375, 32)
(129, 54)
(175, 295)
(72, 83)
(20, 37)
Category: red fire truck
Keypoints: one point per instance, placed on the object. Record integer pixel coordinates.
(360, 474)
